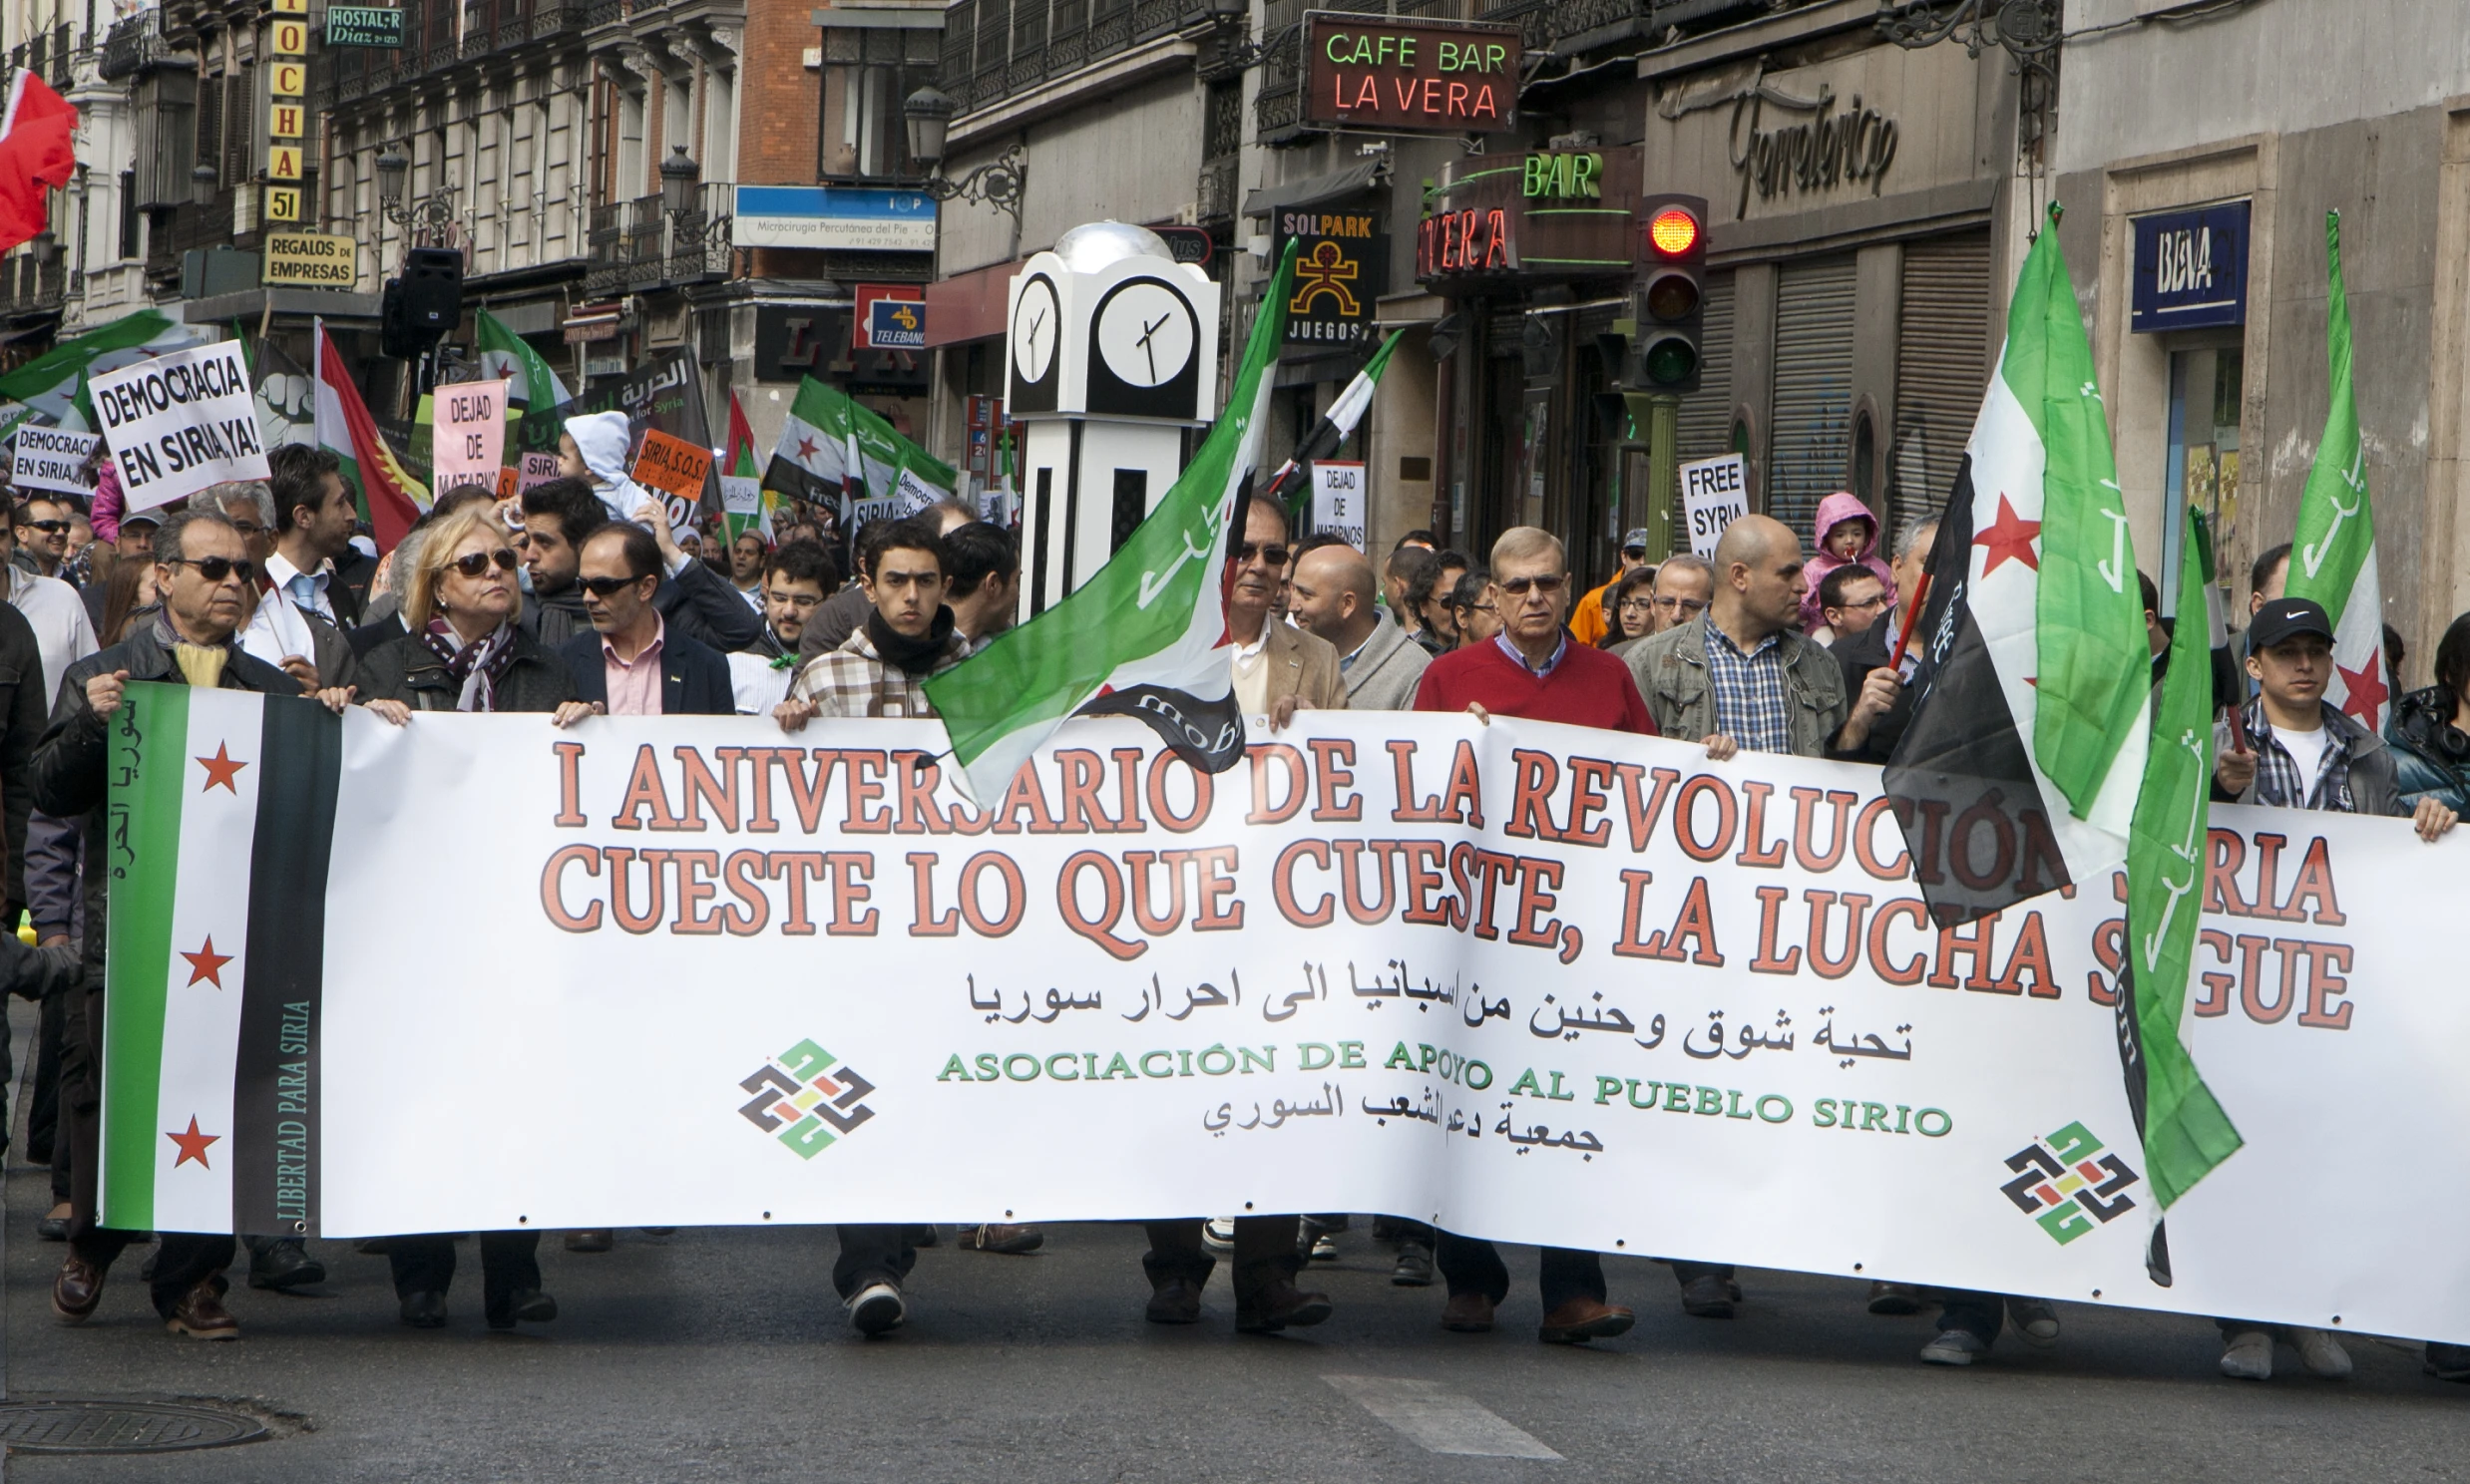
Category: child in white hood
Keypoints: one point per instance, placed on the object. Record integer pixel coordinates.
(594, 447)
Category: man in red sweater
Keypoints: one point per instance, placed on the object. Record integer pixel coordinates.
(1532, 668)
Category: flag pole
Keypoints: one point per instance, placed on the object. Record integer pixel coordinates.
(1912, 612)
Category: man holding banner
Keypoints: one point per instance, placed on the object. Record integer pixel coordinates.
(208, 583)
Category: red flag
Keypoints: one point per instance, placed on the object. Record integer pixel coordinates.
(741, 455)
(35, 153)
(391, 498)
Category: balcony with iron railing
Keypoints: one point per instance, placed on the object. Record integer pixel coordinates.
(30, 287)
(998, 49)
(632, 246)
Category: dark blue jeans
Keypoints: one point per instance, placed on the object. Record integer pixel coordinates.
(1473, 1266)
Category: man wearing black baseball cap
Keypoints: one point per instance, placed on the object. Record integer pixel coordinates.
(2290, 749)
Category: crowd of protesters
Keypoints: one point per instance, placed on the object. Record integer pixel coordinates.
(576, 598)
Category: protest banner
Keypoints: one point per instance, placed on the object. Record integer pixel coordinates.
(53, 459)
(1526, 981)
(179, 422)
(468, 440)
(677, 470)
(1338, 500)
(1714, 493)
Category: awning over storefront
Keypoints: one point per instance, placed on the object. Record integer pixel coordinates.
(969, 306)
(1312, 190)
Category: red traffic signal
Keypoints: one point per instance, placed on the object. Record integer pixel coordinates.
(1673, 232)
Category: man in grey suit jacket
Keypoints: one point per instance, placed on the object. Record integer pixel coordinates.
(1333, 588)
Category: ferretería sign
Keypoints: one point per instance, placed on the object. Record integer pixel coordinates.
(1826, 148)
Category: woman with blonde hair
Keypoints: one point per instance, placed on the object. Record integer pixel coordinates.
(465, 649)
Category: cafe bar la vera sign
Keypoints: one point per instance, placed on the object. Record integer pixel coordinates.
(1402, 76)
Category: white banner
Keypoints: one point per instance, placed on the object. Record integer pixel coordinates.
(1526, 981)
(53, 459)
(179, 422)
(468, 441)
(1714, 493)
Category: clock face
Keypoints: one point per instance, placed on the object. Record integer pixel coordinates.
(1146, 333)
(1035, 323)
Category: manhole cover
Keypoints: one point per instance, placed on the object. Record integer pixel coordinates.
(68, 1426)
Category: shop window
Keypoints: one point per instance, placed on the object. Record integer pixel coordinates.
(2206, 388)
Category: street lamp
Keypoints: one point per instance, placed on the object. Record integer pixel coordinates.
(678, 176)
(998, 182)
(391, 168)
(203, 182)
(44, 247)
(929, 112)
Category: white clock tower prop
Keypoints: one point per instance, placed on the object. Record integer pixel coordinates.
(1113, 357)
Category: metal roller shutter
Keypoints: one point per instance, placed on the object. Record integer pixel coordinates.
(1707, 414)
(1941, 366)
(1808, 450)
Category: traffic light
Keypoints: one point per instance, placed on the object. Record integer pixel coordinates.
(1671, 305)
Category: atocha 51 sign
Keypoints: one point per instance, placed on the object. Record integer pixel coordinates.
(1408, 76)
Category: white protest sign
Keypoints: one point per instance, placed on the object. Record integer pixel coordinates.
(1338, 500)
(1715, 492)
(53, 459)
(468, 440)
(179, 422)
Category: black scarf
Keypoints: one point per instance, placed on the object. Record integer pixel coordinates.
(912, 657)
(476, 667)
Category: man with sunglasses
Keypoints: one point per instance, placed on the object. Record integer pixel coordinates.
(560, 515)
(209, 588)
(1279, 668)
(64, 630)
(632, 662)
(1536, 669)
(42, 529)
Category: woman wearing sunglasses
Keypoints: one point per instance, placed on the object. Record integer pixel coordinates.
(465, 652)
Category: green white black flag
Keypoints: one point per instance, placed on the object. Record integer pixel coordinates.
(2332, 558)
(1146, 636)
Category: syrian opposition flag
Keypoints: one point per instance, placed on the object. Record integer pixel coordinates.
(36, 156)
(389, 498)
(811, 460)
(504, 356)
(1289, 482)
(211, 1113)
(2332, 560)
(1146, 636)
(285, 395)
(51, 388)
(747, 503)
(2184, 1129)
(2018, 774)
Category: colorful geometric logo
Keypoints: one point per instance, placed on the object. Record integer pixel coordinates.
(806, 1101)
(2067, 1185)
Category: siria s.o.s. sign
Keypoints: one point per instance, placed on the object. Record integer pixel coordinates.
(1404, 75)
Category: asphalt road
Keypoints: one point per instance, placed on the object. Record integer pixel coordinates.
(723, 1354)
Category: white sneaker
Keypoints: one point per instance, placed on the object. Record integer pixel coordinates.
(877, 1309)
(2322, 1353)
(2249, 1357)
(1218, 1234)
(2034, 1318)
(1954, 1347)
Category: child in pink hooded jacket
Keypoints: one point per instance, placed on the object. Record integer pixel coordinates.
(1848, 533)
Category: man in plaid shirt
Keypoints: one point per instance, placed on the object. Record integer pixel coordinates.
(908, 636)
(2291, 750)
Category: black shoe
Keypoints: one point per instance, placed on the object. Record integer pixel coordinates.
(423, 1310)
(529, 1306)
(922, 1236)
(53, 1229)
(283, 1266)
(1707, 1296)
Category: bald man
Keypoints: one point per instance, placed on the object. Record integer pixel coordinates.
(1333, 599)
(1740, 675)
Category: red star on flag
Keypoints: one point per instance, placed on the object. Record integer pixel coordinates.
(205, 965)
(2366, 692)
(222, 768)
(2009, 539)
(193, 1143)
(807, 450)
